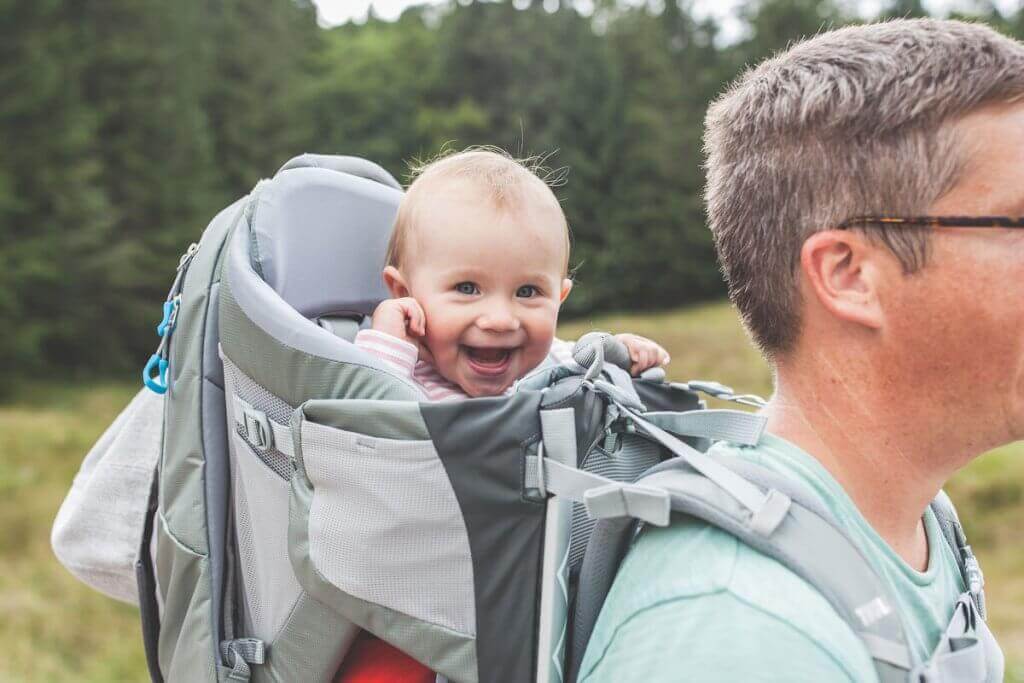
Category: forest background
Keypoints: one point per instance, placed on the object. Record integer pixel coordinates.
(127, 124)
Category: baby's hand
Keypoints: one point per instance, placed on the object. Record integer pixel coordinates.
(402, 318)
(644, 353)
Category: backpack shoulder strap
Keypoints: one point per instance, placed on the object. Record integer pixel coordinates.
(805, 540)
(953, 532)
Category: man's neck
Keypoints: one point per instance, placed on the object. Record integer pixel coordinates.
(883, 453)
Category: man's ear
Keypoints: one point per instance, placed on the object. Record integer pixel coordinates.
(845, 274)
(566, 288)
(395, 283)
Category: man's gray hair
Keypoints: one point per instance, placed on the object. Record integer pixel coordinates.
(856, 121)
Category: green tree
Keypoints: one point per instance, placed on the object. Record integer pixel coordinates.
(53, 211)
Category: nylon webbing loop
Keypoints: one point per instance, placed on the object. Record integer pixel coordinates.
(239, 654)
(602, 497)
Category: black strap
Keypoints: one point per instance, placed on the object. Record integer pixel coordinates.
(606, 548)
(146, 578)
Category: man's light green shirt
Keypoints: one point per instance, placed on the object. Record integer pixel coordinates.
(691, 603)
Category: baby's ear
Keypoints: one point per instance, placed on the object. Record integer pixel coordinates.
(395, 283)
(566, 288)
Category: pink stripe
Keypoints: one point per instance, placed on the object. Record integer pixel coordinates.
(384, 339)
(397, 360)
(405, 347)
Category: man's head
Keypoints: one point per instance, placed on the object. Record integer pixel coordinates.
(481, 242)
(903, 118)
(858, 121)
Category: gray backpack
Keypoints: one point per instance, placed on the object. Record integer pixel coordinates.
(305, 492)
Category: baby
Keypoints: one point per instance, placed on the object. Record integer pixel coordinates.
(478, 268)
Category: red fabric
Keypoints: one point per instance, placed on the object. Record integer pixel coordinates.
(371, 660)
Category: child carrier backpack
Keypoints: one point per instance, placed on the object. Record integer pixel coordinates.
(305, 492)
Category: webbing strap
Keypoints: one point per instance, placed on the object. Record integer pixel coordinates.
(970, 570)
(735, 426)
(239, 654)
(259, 430)
(602, 497)
(810, 546)
(558, 426)
(283, 438)
(886, 650)
(736, 486)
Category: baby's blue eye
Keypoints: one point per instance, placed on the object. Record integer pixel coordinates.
(466, 288)
(527, 291)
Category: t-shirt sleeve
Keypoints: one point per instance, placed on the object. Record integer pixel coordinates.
(399, 354)
(710, 637)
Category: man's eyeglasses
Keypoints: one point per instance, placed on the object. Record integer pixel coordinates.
(935, 221)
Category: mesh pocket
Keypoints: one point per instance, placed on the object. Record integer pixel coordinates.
(385, 526)
(276, 409)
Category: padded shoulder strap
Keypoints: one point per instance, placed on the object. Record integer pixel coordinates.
(805, 540)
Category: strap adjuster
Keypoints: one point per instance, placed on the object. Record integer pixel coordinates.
(255, 425)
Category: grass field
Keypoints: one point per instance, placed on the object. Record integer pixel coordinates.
(55, 629)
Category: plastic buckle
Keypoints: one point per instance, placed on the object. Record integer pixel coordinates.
(975, 579)
(255, 425)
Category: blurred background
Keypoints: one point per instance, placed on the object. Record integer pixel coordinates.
(126, 124)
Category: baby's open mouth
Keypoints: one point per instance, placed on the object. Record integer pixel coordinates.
(488, 361)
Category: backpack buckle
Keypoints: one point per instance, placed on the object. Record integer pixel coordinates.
(255, 425)
(975, 579)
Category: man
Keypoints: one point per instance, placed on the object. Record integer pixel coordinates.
(897, 349)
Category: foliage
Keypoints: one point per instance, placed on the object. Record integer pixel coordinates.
(128, 124)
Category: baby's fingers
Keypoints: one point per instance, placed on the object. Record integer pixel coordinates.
(663, 357)
(413, 312)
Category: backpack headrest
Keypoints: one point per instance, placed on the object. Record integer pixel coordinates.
(319, 231)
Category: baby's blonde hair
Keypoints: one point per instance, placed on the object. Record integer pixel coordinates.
(504, 179)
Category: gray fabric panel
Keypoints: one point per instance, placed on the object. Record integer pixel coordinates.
(183, 493)
(290, 356)
(343, 327)
(267, 581)
(377, 418)
(185, 628)
(482, 445)
(588, 406)
(449, 653)
(310, 647)
(343, 164)
(320, 237)
(806, 543)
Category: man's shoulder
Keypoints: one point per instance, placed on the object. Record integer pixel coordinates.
(691, 595)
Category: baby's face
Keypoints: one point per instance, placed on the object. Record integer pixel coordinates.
(490, 282)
